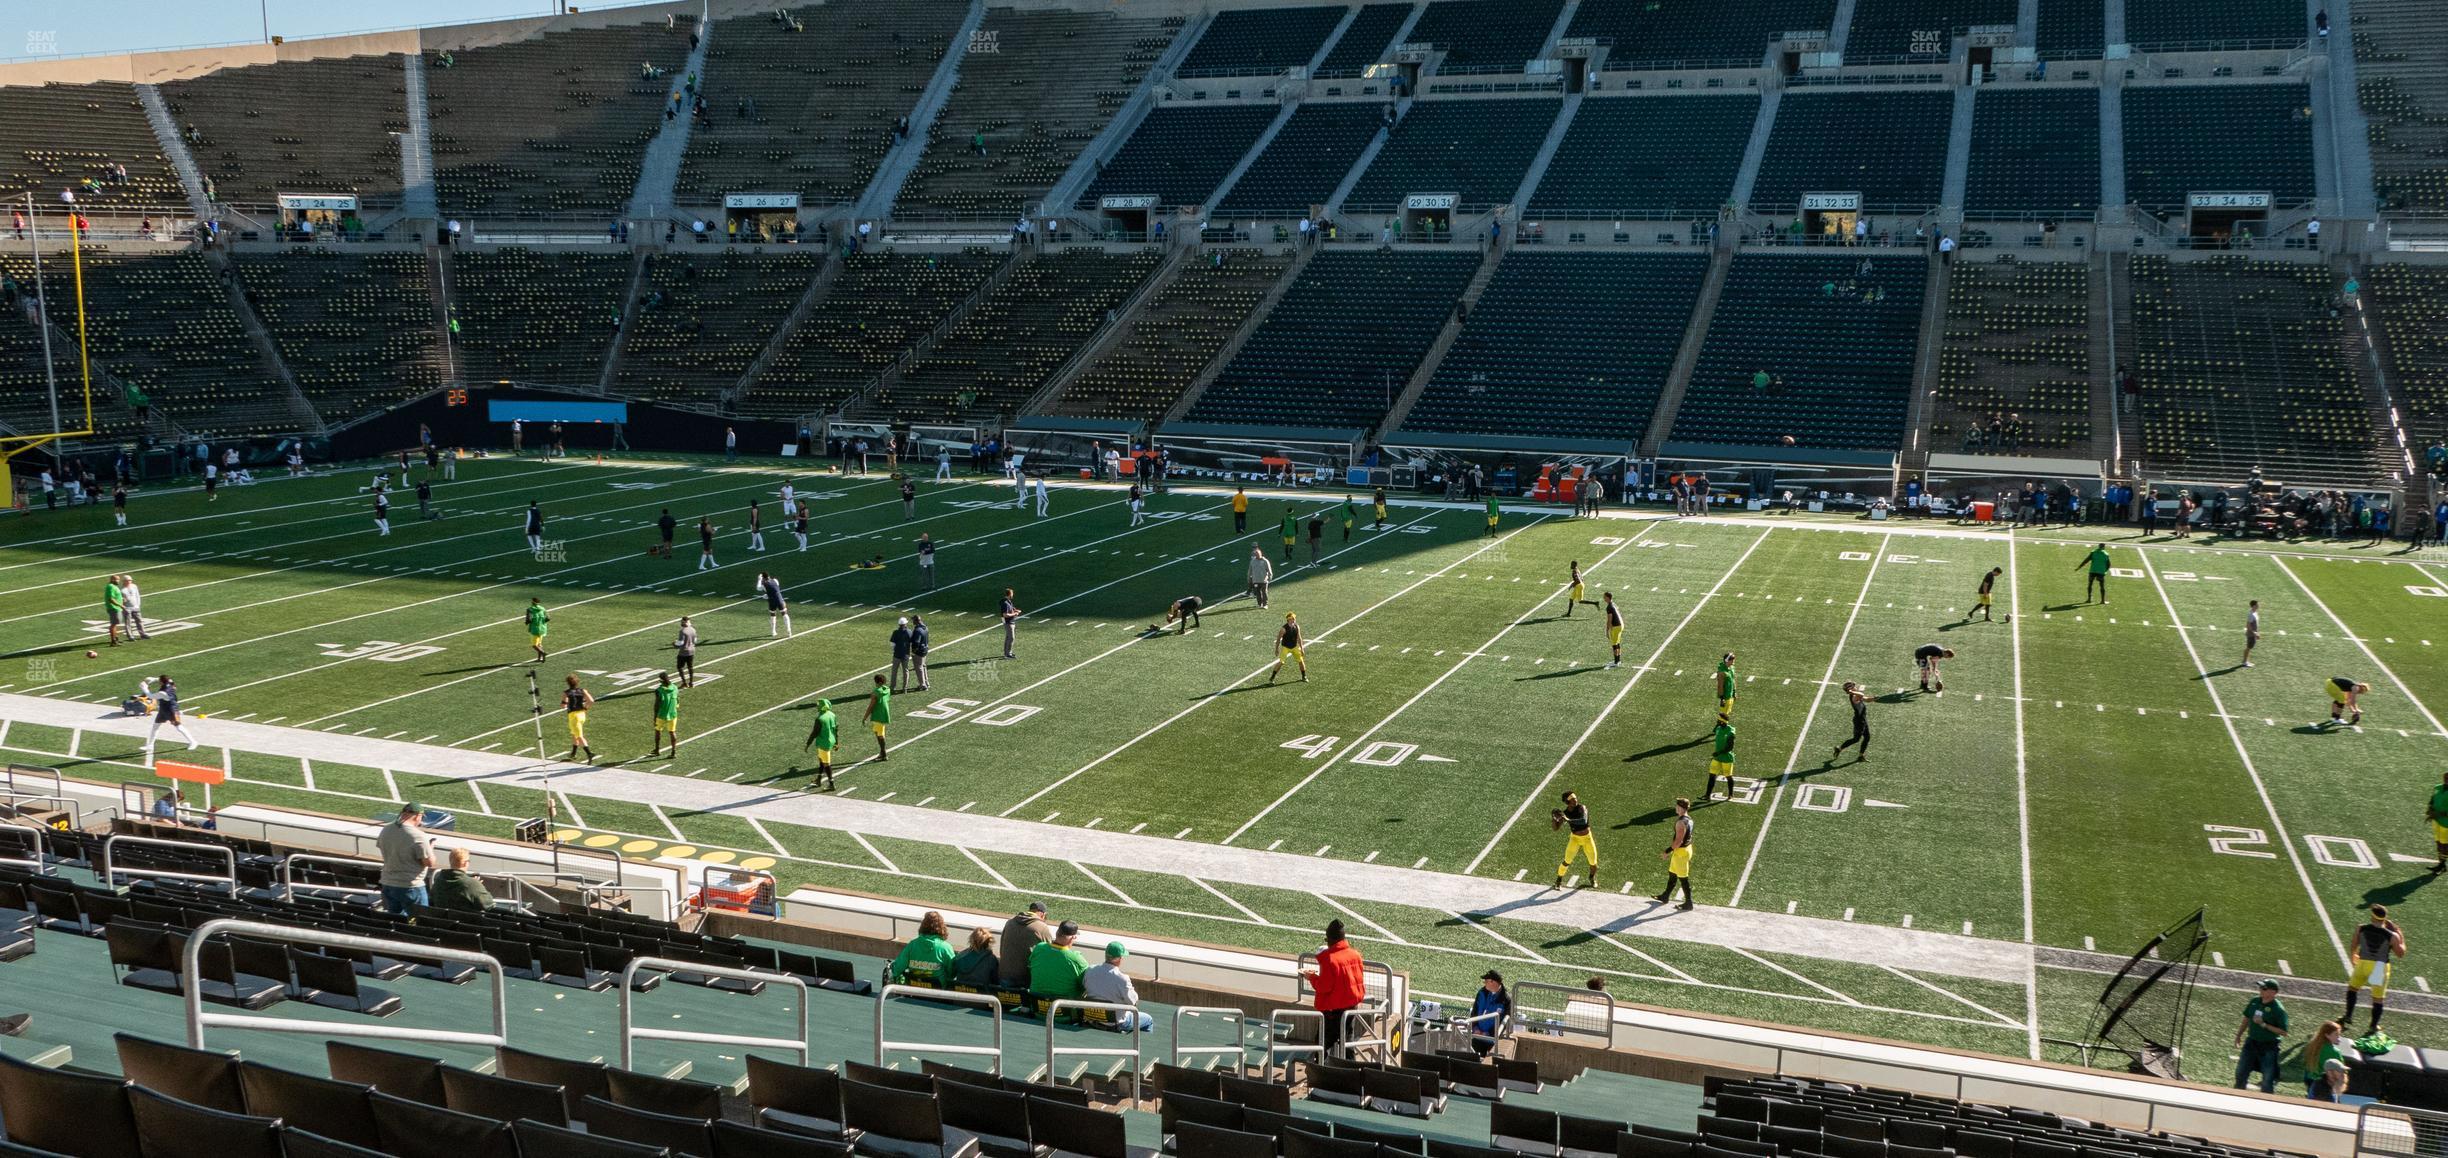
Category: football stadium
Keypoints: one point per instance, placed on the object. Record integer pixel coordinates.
(1261, 514)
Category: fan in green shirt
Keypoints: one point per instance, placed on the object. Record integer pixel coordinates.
(927, 958)
(1055, 967)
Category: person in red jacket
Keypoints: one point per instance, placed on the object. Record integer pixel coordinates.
(1340, 984)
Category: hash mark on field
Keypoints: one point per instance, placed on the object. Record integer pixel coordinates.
(1049, 817)
(2090, 946)
(923, 803)
(1967, 928)
(1321, 850)
(1000, 879)
(1181, 834)
(490, 747)
(391, 785)
(2423, 983)
(2216, 958)
(1908, 920)
(1790, 906)
(887, 796)
(1136, 827)
(1371, 858)
(1095, 822)
(1272, 846)
(699, 772)
(966, 807)
(2285, 968)
(1102, 883)
(1848, 914)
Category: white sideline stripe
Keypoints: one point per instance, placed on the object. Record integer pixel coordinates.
(1211, 697)
(2002, 1019)
(1802, 735)
(2268, 806)
(1104, 884)
(569, 806)
(2360, 643)
(974, 859)
(1361, 741)
(2014, 626)
(767, 837)
(1644, 669)
(660, 816)
(878, 854)
(1671, 971)
(1798, 977)
(1220, 895)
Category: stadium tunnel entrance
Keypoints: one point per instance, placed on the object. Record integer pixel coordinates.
(1129, 214)
(316, 212)
(1429, 214)
(1830, 214)
(2218, 218)
(761, 216)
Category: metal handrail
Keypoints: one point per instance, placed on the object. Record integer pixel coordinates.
(1239, 1049)
(75, 810)
(288, 879)
(1362, 1013)
(198, 1019)
(33, 859)
(992, 1004)
(631, 1031)
(229, 876)
(1125, 1009)
(1572, 997)
(1280, 1020)
(9, 775)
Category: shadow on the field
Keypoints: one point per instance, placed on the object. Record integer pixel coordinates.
(1560, 673)
(2064, 606)
(1646, 819)
(1950, 626)
(1665, 750)
(2233, 667)
(2398, 893)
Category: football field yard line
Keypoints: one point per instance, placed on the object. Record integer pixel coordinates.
(135, 546)
(1839, 997)
(1677, 974)
(660, 816)
(2014, 625)
(1211, 697)
(1338, 906)
(767, 837)
(1501, 939)
(957, 640)
(1360, 742)
(2268, 806)
(1221, 895)
(2359, 642)
(1802, 734)
(1950, 995)
(999, 878)
(878, 854)
(1644, 669)
(1135, 639)
(1102, 883)
(567, 805)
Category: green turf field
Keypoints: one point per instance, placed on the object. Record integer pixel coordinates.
(2093, 773)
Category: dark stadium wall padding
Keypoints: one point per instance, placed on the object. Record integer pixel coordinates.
(650, 427)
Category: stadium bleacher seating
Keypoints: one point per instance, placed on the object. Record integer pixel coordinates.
(1261, 41)
(308, 126)
(2034, 151)
(997, 355)
(1173, 335)
(2167, 25)
(1668, 155)
(552, 126)
(701, 319)
(1179, 153)
(1667, 33)
(1366, 41)
(1798, 1116)
(357, 330)
(2200, 138)
(163, 324)
(1917, 29)
(529, 315)
(1343, 340)
(2016, 347)
(809, 107)
(1305, 162)
(2401, 49)
(1496, 35)
(1844, 357)
(1038, 85)
(878, 305)
(2244, 363)
(1565, 345)
(2412, 301)
(1890, 147)
(2072, 29)
(1476, 149)
(57, 136)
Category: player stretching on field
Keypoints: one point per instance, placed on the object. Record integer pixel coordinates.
(777, 612)
(1721, 761)
(576, 700)
(1614, 629)
(824, 735)
(1288, 646)
(666, 716)
(1925, 661)
(2252, 629)
(2097, 563)
(1860, 700)
(1185, 612)
(1980, 602)
(2378, 943)
(1678, 857)
(2345, 696)
(538, 624)
(1579, 844)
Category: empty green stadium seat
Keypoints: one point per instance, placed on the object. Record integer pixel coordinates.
(1180, 153)
(1841, 362)
(1671, 154)
(2227, 138)
(1261, 41)
(1308, 158)
(2034, 151)
(1890, 147)
(1477, 149)
(1343, 340)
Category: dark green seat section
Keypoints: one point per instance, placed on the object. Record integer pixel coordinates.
(1366, 41)
(700, 319)
(1671, 154)
(1014, 339)
(556, 125)
(357, 331)
(1306, 161)
(1352, 328)
(532, 315)
(1260, 41)
(2242, 364)
(2222, 138)
(158, 322)
(2412, 301)
(2397, 47)
(1663, 33)
(1890, 147)
(1565, 345)
(1846, 358)
(2034, 151)
(1173, 335)
(878, 305)
(2164, 25)
(56, 135)
(2017, 349)
(1180, 153)
(1477, 149)
(1486, 35)
(301, 126)
(1919, 30)
(2072, 29)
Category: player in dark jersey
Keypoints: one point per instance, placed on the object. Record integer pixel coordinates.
(2377, 945)
(705, 541)
(382, 513)
(1980, 602)
(2345, 696)
(1580, 843)
(575, 701)
(668, 526)
(1614, 628)
(1184, 614)
(1288, 646)
(1860, 700)
(535, 527)
(799, 521)
(1678, 857)
(1925, 662)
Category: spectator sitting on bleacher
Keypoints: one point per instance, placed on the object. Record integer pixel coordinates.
(1107, 982)
(1026, 930)
(977, 967)
(1055, 968)
(927, 958)
(457, 888)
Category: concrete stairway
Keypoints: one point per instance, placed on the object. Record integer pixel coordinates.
(1564, 20)
(1426, 370)
(174, 147)
(798, 316)
(1317, 60)
(268, 354)
(1117, 325)
(1547, 151)
(1840, 27)
(1125, 121)
(1360, 164)
(1687, 356)
(417, 197)
(1748, 175)
(1925, 364)
(902, 159)
(659, 169)
(1249, 325)
(2112, 145)
(1282, 117)
(1958, 157)
(628, 322)
(2101, 335)
(856, 405)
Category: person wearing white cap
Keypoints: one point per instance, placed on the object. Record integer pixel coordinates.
(903, 639)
